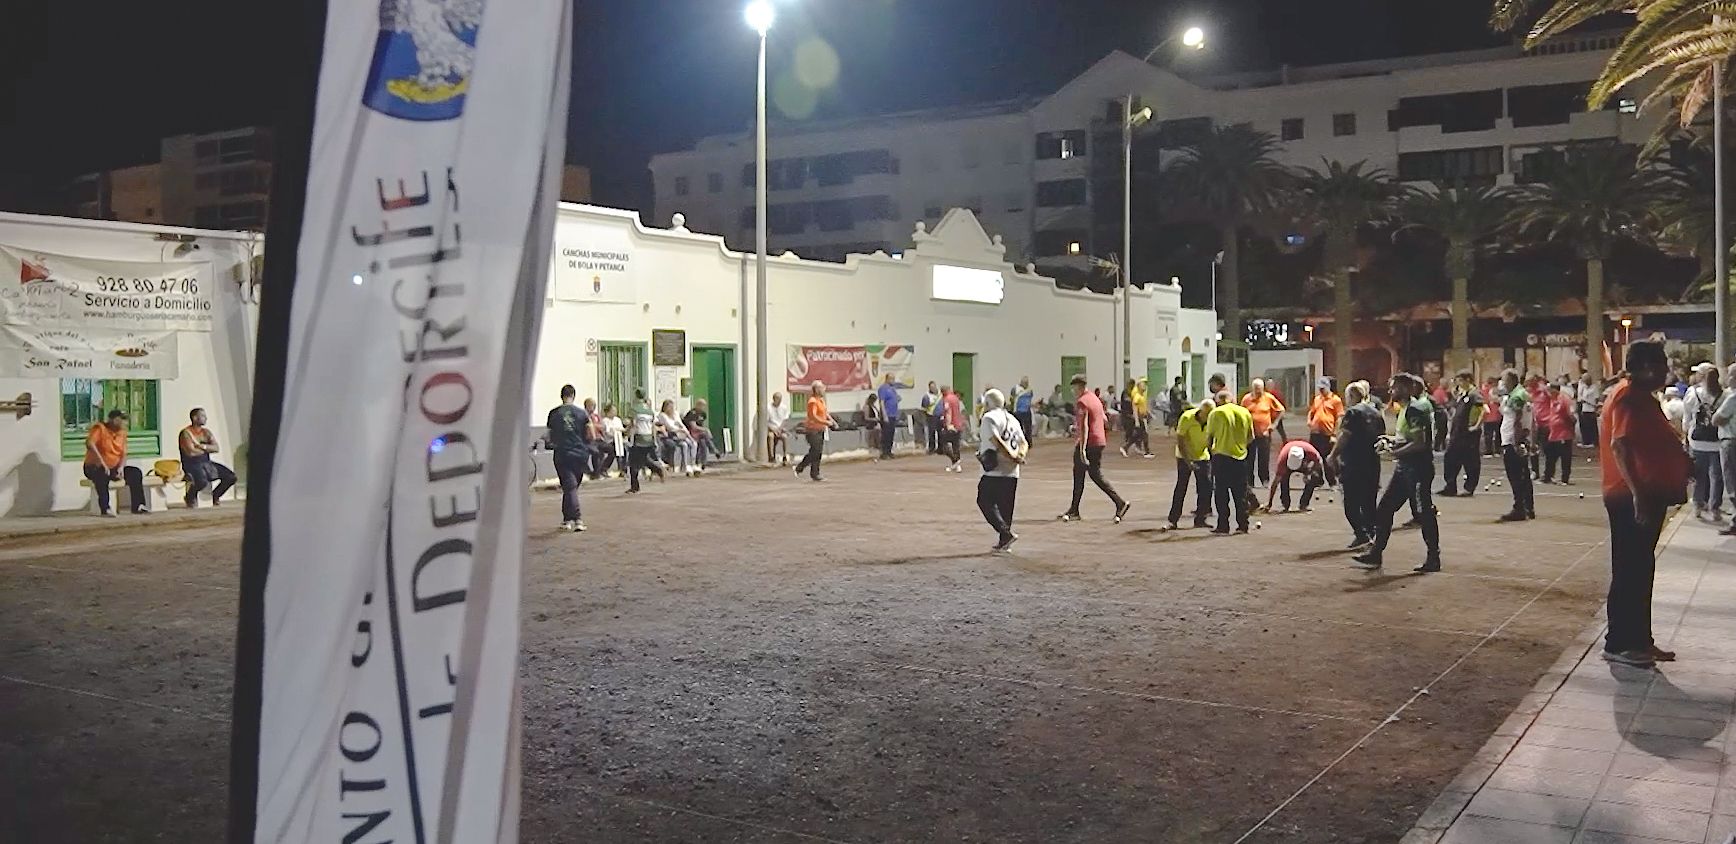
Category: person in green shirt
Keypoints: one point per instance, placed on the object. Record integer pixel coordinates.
(1229, 427)
(1412, 449)
(1192, 459)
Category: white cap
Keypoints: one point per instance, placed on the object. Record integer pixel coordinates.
(1294, 458)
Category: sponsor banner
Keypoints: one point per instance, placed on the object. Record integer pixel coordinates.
(376, 696)
(594, 263)
(44, 289)
(848, 368)
(27, 352)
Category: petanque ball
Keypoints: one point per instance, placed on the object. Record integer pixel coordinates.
(1258, 525)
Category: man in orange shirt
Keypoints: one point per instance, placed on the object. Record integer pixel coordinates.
(1645, 473)
(1323, 415)
(1266, 409)
(105, 458)
(814, 427)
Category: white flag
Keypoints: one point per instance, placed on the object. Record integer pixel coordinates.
(377, 661)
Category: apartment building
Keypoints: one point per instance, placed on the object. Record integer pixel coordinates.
(1045, 172)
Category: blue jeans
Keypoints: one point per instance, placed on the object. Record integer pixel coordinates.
(201, 472)
(1708, 479)
(570, 467)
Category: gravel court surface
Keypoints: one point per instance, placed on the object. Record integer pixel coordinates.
(753, 657)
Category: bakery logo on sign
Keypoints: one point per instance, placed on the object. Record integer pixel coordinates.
(423, 58)
(34, 270)
(131, 352)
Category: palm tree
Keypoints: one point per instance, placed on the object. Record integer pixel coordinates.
(1685, 209)
(1595, 196)
(1338, 200)
(1464, 218)
(1687, 41)
(1225, 179)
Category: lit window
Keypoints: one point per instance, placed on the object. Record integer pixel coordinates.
(1627, 105)
(1067, 150)
(1073, 247)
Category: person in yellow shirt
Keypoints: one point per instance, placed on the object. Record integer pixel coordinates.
(1323, 415)
(1230, 427)
(1192, 459)
(1136, 408)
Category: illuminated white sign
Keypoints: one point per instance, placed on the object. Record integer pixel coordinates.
(963, 284)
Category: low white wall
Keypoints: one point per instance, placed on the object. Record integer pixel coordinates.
(216, 367)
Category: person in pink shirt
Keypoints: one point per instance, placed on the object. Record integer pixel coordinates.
(951, 426)
(1555, 418)
(1538, 388)
(1090, 438)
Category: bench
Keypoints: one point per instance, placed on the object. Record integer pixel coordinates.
(156, 483)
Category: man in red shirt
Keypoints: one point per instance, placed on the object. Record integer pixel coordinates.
(1300, 458)
(952, 423)
(1645, 472)
(1557, 428)
(1090, 438)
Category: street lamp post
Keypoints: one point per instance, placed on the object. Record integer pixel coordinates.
(759, 16)
(1720, 252)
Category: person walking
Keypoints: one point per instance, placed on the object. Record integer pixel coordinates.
(1516, 422)
(1124, 412)
(1491, 417)
(1324, 411)
(1558, 436)
(1464, 436)
(1023, 402)
(889, 401)
(197, 444)
(1645, 473)
(570, 437)
(1356, 460)
(777, 435)
(1001, 448)
(1587, 399)
(1413, 475)
(642, 452)
(1090, 438)
(1700, 405)
(1230, 428)
(1141, 419)
(952, 420)
(1192, 459)
(1177, 405)
(1265, 409)
(815, 425)
(931, 414)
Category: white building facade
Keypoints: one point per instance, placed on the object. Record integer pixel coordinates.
(1467, 118)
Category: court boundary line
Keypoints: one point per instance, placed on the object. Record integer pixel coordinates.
(669, 807)
(112, 699)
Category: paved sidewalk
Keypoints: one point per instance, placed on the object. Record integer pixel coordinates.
(1600, 754)
(82, 521)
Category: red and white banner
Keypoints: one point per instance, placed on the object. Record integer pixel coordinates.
(45, 290)
(377, 659)
(848, 368)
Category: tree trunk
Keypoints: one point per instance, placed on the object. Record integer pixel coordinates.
(1229, 298)
(1594, 318)
(1462, 315)
(1343, 320)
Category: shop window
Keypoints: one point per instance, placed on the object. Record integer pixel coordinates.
(87, 401)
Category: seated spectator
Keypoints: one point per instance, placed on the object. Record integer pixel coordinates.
(674, 444)
(197, 446)
(704, 446)
(614, 445)
(777, 437)
(105, 458)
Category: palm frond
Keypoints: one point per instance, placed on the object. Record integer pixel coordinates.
(1508, 13)
(1567, 14)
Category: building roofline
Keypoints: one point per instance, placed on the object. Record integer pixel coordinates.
(122, 227)
(789, 128)
(1342, 71)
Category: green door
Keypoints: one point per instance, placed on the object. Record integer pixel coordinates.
(1157, 377)
(964, 380)
(714, 380)
(621, 370)
(1071, 365)
(1197, 378)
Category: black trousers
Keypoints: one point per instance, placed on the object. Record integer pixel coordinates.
(570, 468)
(1091, 463)
(1360, 486)
(888, 435)
(1536, 463)
(1587, 429)
(1027, 423)
(1260, 452)
(1323, 444)
(1492, 437)
(948, 444)
(1519, 477)
(1309, 484)
(641, 458)
(1409, 487)
(1229, 483)
(1201, 472)
(816, 450)
(1463, 455)
(135, 481)
(1633, 560)
(995, 497)
(202, 473)
(1558, 451)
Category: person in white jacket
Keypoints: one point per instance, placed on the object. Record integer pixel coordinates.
(1698, 408)
(1001, 448)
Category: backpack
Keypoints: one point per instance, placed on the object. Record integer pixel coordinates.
(1703, 431)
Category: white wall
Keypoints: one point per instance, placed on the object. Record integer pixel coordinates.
(216, 367)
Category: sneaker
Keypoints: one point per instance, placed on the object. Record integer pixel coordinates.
(1661, 655)
(1200, 523)
(1242, 530)
(1006, 542)
(1547, 481)
(1530, 514)
(190, 500)
(1408, 525)
(107, 514)
(1359, 543)
(567, 527)
(1173, 526)
(1124, 451)
(1638, 659)
(1370, 561)
(1149, 456)
(1729, 531)
(798, 469)
(1121, 512)
(1448, 493)
(141, 510)
(1220, 531)
(1514, 516)
(1070, 517)
(1429, 566)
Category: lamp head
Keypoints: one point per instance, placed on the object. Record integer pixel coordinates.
(1194, 38)
(760, 16)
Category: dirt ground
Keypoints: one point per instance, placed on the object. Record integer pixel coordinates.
(755, 658)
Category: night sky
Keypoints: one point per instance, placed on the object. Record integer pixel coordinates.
(91, 85)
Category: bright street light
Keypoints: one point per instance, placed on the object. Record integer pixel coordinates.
(760, 16)
(1194, 38)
